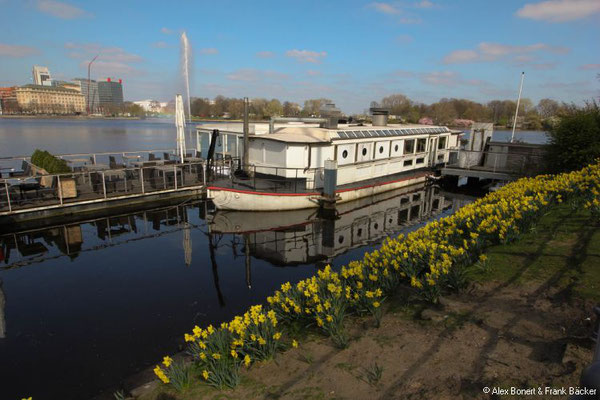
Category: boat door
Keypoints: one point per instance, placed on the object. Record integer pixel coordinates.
(433, 151)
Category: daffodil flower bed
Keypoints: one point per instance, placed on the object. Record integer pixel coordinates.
(424, 259)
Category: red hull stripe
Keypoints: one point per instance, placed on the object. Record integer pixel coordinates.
(313, 193)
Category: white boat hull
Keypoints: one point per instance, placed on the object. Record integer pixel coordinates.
(246, 200)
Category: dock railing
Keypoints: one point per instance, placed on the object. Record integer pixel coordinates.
(94, 183)
(270, 179)
(517, 164)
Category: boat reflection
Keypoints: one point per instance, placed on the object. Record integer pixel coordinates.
(304, 237)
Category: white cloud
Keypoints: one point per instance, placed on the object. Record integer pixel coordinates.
(166, 31)
(386, 8)
(493, 51)
(559, 10)
(111, 61)
(8, 50)
(265, 54)
(589, 66)
(404, 39)
(255, 75)
(312, 72)
(424, 4)
(448, 78)
(61, 10)
(306, 56)
(160, 44)
(209, 51)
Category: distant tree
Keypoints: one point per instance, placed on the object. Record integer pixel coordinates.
(548, 108)
(575, 139)
(200, 108)
(290, 109)
(312, 107)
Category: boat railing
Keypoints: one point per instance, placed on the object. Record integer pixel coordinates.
(94, 182)
(513, 163)
(276, 179)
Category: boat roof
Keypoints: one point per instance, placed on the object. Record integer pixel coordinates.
(314, 134)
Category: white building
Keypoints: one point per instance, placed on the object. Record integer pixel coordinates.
(41, 76)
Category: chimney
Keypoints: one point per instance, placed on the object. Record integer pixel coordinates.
(380, 116)
(332, 114)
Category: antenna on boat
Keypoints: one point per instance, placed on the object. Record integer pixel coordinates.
(512, 137)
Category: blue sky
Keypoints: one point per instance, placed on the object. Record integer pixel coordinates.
(350, 51)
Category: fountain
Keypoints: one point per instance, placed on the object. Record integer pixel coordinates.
(185, 67)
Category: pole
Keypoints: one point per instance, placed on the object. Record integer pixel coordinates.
(89, 83)
(246, 162)
(512, 137)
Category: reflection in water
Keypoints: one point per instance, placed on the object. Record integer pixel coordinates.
(2, 319)
(117, 292)
(301, 237)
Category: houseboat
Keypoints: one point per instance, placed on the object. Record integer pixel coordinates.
(286, 164)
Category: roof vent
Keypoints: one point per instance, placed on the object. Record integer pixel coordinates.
(331, 114)
(380, 115)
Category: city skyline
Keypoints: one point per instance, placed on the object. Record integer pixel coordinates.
(351, 52)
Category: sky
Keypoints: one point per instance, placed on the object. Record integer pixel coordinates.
(352, 52)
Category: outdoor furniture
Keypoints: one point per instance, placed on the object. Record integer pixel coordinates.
(113, 163)
(166, 156)
(152, 157)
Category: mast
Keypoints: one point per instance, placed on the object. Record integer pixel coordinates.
(512, 137)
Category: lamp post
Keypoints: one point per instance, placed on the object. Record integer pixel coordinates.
(89, 83)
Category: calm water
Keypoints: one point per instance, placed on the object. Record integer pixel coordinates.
(85, 305)
(61, 136)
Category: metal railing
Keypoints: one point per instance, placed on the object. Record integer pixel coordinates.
(521, 164)
(89, 185)
(271, 179)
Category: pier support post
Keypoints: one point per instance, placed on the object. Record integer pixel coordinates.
(175, 175)
(142, 179)
(329, 185)
(60, 194)
(8, 196)
(104, 184)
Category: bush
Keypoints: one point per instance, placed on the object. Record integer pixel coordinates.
(575, 139)
(52, 164)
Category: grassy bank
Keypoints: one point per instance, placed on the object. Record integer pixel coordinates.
(520, 319)
(424, 264)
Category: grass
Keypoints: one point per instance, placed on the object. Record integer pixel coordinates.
(563, 250)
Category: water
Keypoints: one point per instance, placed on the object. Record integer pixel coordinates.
(86, 305)
(533, 137)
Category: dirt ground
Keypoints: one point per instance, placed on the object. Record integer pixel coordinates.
(524, 323)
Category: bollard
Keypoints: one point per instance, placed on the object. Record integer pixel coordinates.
(329, 185)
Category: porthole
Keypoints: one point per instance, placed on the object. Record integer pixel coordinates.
(376, 226)
(396, 148)
(364, 151)
(380, 149)
(345, 154)
(359, 232)
(341, 239)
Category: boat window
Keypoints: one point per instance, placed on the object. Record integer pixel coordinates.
(364, 151)
(442, 143)
(420, 160)
(396, 148)
(385, 132)
(351, 135)
(380, 149)
(342, 135)
(421, 145)
(345, 154)
(407, 163)
(365, 133)
(409, 146)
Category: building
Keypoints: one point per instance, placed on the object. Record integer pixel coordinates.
(41, 76)
(152, 106)
(67, 85)
(110, 94)
(40, 99)
(91, 95)
(8, 100)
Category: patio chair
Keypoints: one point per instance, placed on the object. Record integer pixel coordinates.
(113, 163)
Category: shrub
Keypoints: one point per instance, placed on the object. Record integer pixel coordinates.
(52, 164)
(575, 139)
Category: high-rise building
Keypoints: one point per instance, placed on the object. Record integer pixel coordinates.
(110, 93)
(41, 76)
(92, 99)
